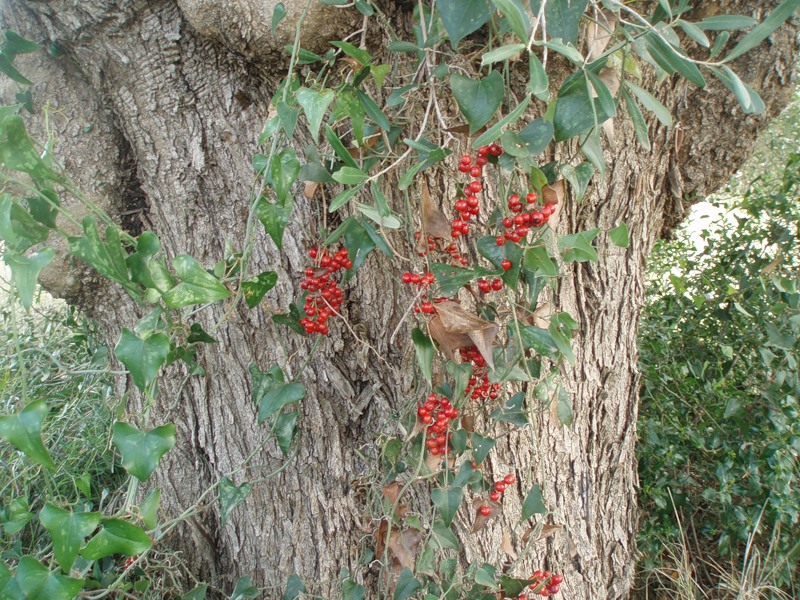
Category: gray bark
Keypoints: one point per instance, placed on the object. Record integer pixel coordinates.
(176, 95)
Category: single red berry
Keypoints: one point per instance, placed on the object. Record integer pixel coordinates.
(475, 171)
(406, 277)
(497, 284)
(557, 579)
(461, 206)
(495, 150)
(312, 252)
(485, 511)
(463, 168)
(475, 187)
(506, 264)
(481, 161)
(500, 240)
(494, 496)
(508, 222)
(427, 307)
(532, 198)
(483, 150)
(510, 479)
(466, 159)
(500, 486)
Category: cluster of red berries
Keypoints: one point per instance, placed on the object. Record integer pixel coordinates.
(494, 496)
(325, 297)
(485, 286)
(520, 224)
(469, 206)
(546, 584)
(449, 249)
(478, 385)
(421, 281)
(436, 414)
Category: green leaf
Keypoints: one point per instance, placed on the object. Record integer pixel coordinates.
(639, 126)
(501, 53)
(748, 98)
(256, 287)
(36, 582)
(451, 279)
(25, 272)
(344, 197)
(148, 509)
(619, 235)
(496, 130)
(516, 16)
(270, 392)
(576, 112)
(244, 589)
(142, 357)
(566, 50)
(294, 587)
(314, 104)
(538, 261)
(274, 217)
(514, 587)
(68, 530)
(726, 22)
(107, 258)
(197, 286)
(694, 32)
(671, 59)
(447, 501)
(284, 172)
(407, 585)
(444, 536)
(231, 496)
(488, 248)
(353, 591)
(23, 431)
(578, 177)
(363, 57)
(7, 67)
(390, 220)
(592, 148)
(141, 451)
(18, 228)
(198, 593)
(462, 17)
(117, 537)
(764, 29)
(425, 352)
(533, 504)
(16, 44)
(374, 111)
(536, 136)
(478, 100)
(563, 408)
(278, 13)
(511, 411)
(350, 176)
(577, 247)
(339, 148)
(539, 340)
(650, 103)
(285, 429)
(563, 17)
(481, 446)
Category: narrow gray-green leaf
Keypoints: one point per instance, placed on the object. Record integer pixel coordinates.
(764, 29)
(650, 103)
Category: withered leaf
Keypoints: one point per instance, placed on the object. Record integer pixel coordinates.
(542, 314)
(433, 462)
(457, 321)
(554, 194)
(448, 342)
(507, 547)
(599, 33)
(547, 531)
(434, 223)
(403, 546)
(481, 520)
(392, 491)
(310, 189)
(380, 536)
(468, 423)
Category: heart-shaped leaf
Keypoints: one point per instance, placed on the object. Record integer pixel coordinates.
(462, 17)
(25, 272)
(197, 286)
(478, 100)
(255, 287)
(142, 450)
(117, 537)
(314, 105)
(68, 530)
(534, 503)
(23, 431)
(447, 501)
(231, 496)
(283, 171)
(274, 216)
(142, 357)
(34, 580)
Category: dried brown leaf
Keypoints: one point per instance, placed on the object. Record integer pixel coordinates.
(403, 546)
(547, 531)
(468, 423)
(553, 194)
(542, 314)
(611, 79)
(433, 462)
(457, 321)
(310, 189)
(599, 34)
(507, 547)
(448, 342)
(481, 520)
(434, 223)
(608, 129)
(392, 491)
(380, 537)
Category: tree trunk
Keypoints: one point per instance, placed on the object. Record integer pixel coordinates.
(157, 106)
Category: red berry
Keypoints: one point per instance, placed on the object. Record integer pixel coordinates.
(406, 277)
(510, 479)
(461, 206)
(557, 579)
(427, 307)
(312, 252)
(463, 168)
(466, 159)
(508, 222)
(485, 511)
(481, 161)
(500, 486)
(494, 496)
(483, 150)
(495, 150)
(497, 284)
(475, 171)
(531, 198)
(500, 240)
(506, 264)
(475, 187)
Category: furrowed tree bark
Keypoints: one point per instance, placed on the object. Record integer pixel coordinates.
(157, 106)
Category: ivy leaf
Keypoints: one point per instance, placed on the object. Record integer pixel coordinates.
(278, 13)
(578, 177)
(294, 587)
(142, 450)
(197, 286)
(256, 287)
(538, 261)
(285, 429)
(148, 509)
(25, 272)
(425, 352)
(563, 17)
(619, 235)
(142, 357)
(117, 537)
(462, 17)
(445, 537)
(68, 530)
(447, 501)
(478, 100)
(231, 496)
(198, 593)
(23, 431)
(407, 585)
(274, 217)
(244, 589)
(577, 247)
(271, 393)
(314, 104)
(353, 591)
(516, 16)
(576, 112)
(16, 44)
(511, 411)
(283, 171)
(34, 580)
(533, 504)
(107, 258)
(481, 446)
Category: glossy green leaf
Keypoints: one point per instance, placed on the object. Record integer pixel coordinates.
(451, 279)
(314, 105)
(25, 272)
(36, 582)
(284, 169)
(639, 125)
(619, 235)
(23, 431)
(278, 13)
(562, 16)
(244, 589)
(447, 501)
(350, 176)
(511, 411)
(294, 587)
(425, 352)
(592, 149)
(445, 537)
(539, 340)
(496, 130)
(538, 261)
(749, 100)
(231, 496)
(764, 29)
(271, 393)
(694, 32)
(481, 446)
(536, 136)
(726, 22)
(568, 51)
(363, 57)
(406, 586)
(539, 84)
(486, 575)
(373, 111)
(44, 207)
(516, 16)
(68, 530)
(578, 177)
(478, 100)
(18, 229)
(672, 60)
(514, 587)
(141, 451)
(339, 148)
(256, 287)
(142, 357)
(488, 248)
(285, 429)
(106, 257)
(117, 537)
(502, 53)
(577, 247)
(462, 17)
(198, 593)
(353, 591)
(533, 503)
(15, 44)
(17, 151)
(576, 111)
(148, 509)
(274, 216)
(197, 285)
